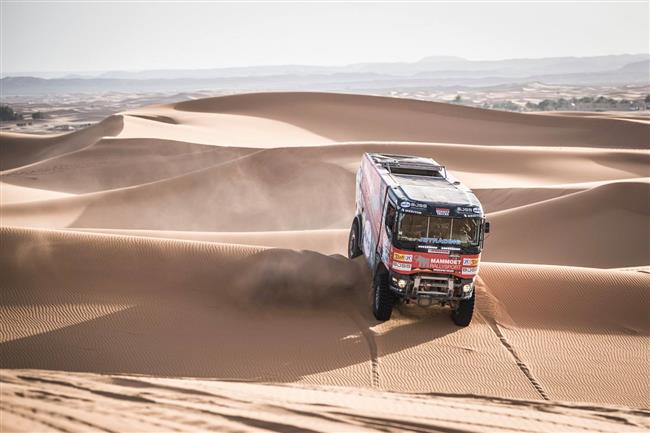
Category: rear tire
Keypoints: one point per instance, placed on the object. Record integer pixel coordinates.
(462, 316)
(354, 250)
(383, 299)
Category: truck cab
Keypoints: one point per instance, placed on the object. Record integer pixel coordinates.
(422, 232)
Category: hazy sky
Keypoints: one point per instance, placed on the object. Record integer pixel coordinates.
(75, 36)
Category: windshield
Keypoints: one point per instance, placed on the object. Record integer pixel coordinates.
(436, 230)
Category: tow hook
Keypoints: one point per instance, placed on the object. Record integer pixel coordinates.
(422, 298)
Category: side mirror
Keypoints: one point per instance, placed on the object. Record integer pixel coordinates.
(388, 223)
(487, 227)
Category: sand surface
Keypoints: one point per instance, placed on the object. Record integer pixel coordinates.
(183, 263)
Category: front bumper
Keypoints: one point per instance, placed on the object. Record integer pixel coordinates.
(431, 288)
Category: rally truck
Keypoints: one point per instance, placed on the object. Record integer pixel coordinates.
(421, 231)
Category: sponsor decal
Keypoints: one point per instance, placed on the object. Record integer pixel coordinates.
(440, 241)
(442, 211)
(466, 210)
(401, 266)
(417, 212)
(470, 261)
(422, 262)
(470, 271)
(405, 204)
(419, 205)
(443, 270)
(439, 261)
(403, 257)
(437, 251)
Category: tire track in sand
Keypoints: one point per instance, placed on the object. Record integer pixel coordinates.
(491, 310)
(369, 336)
(520, 363)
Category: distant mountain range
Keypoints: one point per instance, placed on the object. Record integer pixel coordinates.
(433, 71)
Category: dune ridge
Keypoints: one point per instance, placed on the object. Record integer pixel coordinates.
(203, 242)
(601, 220)
(345, 117)
(20, 150)
(269, 196)
(147, 274)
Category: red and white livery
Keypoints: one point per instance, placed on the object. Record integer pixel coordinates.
(422, 232)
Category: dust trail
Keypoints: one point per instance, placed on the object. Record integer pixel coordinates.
(288, 277)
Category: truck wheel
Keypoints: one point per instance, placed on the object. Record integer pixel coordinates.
(353, 241)
(462, 315)
(382, 298)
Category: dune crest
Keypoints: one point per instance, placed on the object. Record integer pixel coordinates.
(19, 150)
(345, 117)
(284, 297)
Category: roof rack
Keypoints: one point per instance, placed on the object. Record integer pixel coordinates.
(410, 165)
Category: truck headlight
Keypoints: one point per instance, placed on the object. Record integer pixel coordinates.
(467, 288)
(402, 284)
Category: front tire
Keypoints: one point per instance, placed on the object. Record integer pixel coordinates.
(383, 299)
(462, 315)
(354, 250)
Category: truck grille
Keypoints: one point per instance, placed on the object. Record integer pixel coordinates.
(434, 284)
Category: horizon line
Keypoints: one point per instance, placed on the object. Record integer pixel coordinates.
(7, 74)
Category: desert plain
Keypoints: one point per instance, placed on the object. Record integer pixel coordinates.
(180, 267)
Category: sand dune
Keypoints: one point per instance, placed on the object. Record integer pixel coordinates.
(113, 163)
(18, 194)
(270, 194)
(275, 188)
(20, 150)
(216, 129)
(342, 117)
(203, 239)
(606, 226)
(164, 404)
(165, 298)
(571, 311)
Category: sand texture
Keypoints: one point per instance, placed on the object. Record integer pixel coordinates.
(180, 268)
